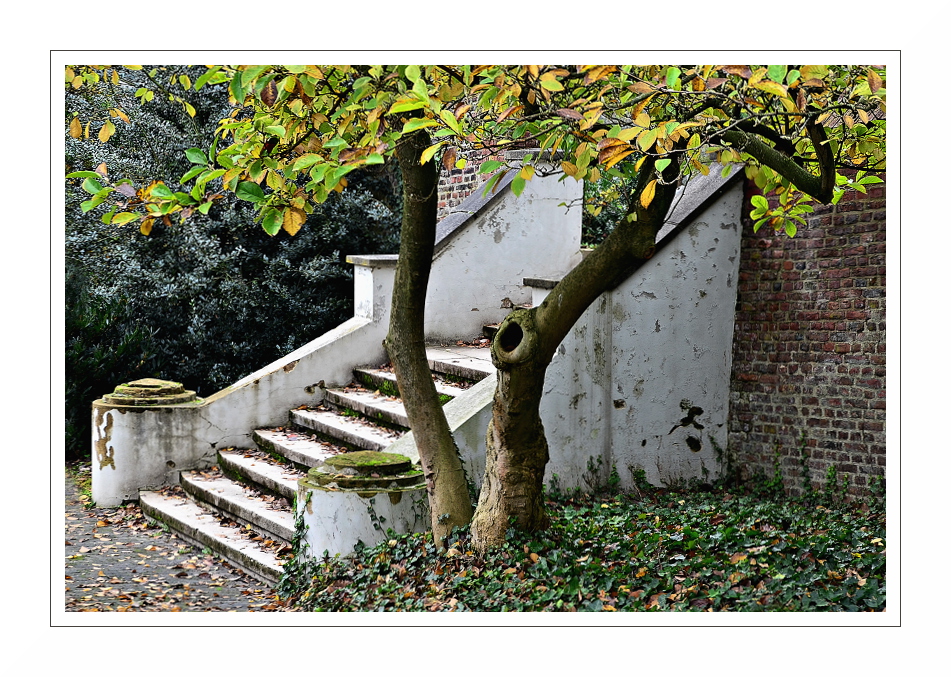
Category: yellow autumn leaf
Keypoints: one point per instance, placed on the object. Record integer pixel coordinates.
(647, 195)
(771, 87)
(146, 226)
(107, 131)
(757, 76)
(874, 81)
(568, 168)
(75, 128)
(628, 134)
(619, 154)
(293, 220)
(427, 154)
(527, 172)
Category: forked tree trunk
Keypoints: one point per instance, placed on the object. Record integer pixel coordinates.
(516, 448)
(449, 501)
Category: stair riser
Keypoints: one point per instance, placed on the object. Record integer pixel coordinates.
(346, 437)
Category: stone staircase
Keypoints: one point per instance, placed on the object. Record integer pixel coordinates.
(243, 509)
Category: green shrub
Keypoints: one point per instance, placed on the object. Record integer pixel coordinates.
(105, 346)
(210, 300)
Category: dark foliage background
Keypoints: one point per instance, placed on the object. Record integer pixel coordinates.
(210, 300)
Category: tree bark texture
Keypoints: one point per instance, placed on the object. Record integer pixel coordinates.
(449, 501)
(516, 447)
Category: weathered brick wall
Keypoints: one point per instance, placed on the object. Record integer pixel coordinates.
(455, 185)
(809, 346)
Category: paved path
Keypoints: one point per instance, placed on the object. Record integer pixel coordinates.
(117, 561)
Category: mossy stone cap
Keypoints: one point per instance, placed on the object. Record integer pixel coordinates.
(367, 462)
(150, 391)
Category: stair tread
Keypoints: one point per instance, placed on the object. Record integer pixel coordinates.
(295, 446)
(350, 430)
(443, 387)
(205, 529)
(237, 500)
(257, 467)
(464, 361)
(370, 403)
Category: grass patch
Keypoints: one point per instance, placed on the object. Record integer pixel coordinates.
(652, 550)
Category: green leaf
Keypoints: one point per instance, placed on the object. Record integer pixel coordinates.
(276, 130)
(776, 73)
(82, 175)
(307, 160)
(249, 192)
(404, 105)
(760, 202)
(204, 207)
(196, 155)
(250, 74)
(672, 74)
(123, 218)
(273, 218)
(192, 173)
(661, 165)
(418, 123)
(163, 191)
(518, 185)
(210, 176)
(205, 77)
(91, 185)
(489, 166)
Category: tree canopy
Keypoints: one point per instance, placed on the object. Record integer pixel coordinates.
(296, 131)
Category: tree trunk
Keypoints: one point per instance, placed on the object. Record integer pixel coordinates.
(516, 448)
(449, 501)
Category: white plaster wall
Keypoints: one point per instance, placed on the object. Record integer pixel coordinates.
(533, 234)
(337, 520)
(616, 395)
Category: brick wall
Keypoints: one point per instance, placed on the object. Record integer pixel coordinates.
(809, 346)
(455, 185)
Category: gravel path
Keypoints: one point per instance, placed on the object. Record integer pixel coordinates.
(116, 560)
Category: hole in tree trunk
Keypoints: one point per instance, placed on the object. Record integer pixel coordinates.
(511, 337)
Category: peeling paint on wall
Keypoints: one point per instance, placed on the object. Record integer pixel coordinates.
(104, 454)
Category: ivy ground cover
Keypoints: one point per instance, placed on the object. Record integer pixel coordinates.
(653, 550)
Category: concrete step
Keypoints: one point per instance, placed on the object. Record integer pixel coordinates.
(470, 363)
(298, 447)
(374, 406)
(384, 381)
(241, 503)
(248, 466)
(352, 431)
(207, 530)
